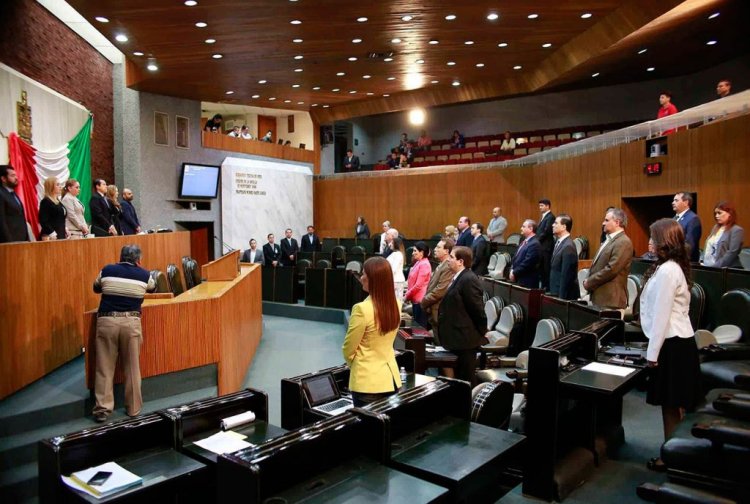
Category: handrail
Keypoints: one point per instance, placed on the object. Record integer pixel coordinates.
(265, 149)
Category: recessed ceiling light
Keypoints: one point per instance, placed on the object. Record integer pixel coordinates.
(262, 81)
(391, 78)
(316, 88)
(201, 24)
(340, 74)
(450, 17)
(295, 85)
(387, 60)
(407, 18)
(297, 40)
(420, 61)
(595, 74)
(314, 105)
(191, 3)
(586, 15)
(272, 98)
(102, 19)
(434, 82)
(287, 101)
(642, 51)
(650, 69)
(370, 94)
(362, 19)
(352, 58)
(502, 44)
(546, 45)
(433, 42)
(217, 56)
(255, 96)
(711, 42)
(714, 15)
(295, 22)
(517, 67)
(297, 70)
(326, 106)
(455, 83)
(229, 92)
(356, 41)
(396, 41)
(335, 90)
(480, 65)
(469, 42)
(451, 63)
(121, 38)
(298, 57)
(152, 66)
(300, 103)
(138, 53)
(532, 16)
(492, 16)
(365, 76)
(210, 41)
(386, 95)
(352, 92)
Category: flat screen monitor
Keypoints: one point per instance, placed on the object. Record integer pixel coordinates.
(199, 181)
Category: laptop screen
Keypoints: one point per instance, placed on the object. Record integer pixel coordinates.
(320, 389)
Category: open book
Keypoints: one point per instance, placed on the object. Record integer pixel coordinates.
(119, 480)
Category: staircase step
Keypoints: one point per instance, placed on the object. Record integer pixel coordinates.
(19, 484)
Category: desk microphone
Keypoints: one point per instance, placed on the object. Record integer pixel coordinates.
(225, 245)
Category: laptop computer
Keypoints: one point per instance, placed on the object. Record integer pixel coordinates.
(324, 396)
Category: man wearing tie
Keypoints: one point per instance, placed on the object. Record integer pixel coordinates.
(689, 221)
(253, 255)
(563, 279)
(271, 252)
(289, 249)
(524, 269)
(608, 276)
(129, 220)
(12, 217)
(310, 242)
(480, 250)
(546, 240)
(464, 232)
(101, 217)
(351, 163)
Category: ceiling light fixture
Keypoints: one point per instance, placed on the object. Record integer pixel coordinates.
(650, 69)
(229, 92)
(287, 101)
(297, 40)
(121, 38)
(450, 17)
(152, 66)
(190, 3)
(365, 76)
(297, 70)
(391, 78)
(386, 95)
(316, 88)
(595, 74)
(138, 53)
(455, 83)
(217, 56)
(642, 51)
(314, 105)
(517, 67)
(413, 80)
(295, 85)
(533, 16)
(433, 42)
(416, 117)
(547, 45)
(420, 61)
(326, 106)
(201, 24)
(352, 58)
(370, 93)
(300, 103)
(362, 19)
(356, 41)
(396, 41)
(255, 96)
(272, 98)
(335, 90)
(711, 42)
(480, 65)
(340, 74)
(210, 41)
(451, 63)
(295, 22)
(492, 16)
(298, 57)
(352, 92)
(434, 82)
(102, 19)
(714, 15)
(387, 60)
(262, 81)
(407, 18)
(502, 44)
(586, 15)
(469, 42)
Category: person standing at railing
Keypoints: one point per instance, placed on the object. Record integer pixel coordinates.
(667, 108)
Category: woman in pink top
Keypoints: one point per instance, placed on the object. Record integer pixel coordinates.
(419, 277)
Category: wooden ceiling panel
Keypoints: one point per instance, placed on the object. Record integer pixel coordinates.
(255, 39)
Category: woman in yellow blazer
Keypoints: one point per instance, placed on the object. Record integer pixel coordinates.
(368, 346)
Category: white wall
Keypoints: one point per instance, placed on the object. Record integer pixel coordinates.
(303, 130)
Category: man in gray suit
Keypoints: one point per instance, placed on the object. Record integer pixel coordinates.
(253, 255)
(608, 277)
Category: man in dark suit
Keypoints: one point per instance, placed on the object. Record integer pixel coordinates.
(253, 255)
(351, 162)
(546, 239)
(691, 224)
(289, 249)
(524, 269)
(464, 233)
(310, 242)
(563, 279)
(462, 322)
(12, 217)
(480, 250)
(101, 216)
(271, 252)
(608, 276)
(129, 220)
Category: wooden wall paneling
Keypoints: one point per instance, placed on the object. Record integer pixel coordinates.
(271, 150)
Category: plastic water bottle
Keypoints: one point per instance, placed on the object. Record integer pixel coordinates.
(403, 375)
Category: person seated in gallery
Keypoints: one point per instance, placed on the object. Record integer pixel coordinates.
(268, 137)
(235, 133)
(402, 143)
(213, 125)
(403, 161)
(424, 141)
(245, 133)
(457, 140)
(393, 160)
(508, 145)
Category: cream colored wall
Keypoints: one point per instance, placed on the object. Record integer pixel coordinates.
(303, 130)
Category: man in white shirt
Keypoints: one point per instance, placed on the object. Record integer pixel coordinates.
(508, 145)
(383, 243)
(253, 255)
(235, 133)
(245, 133)
(496, 227)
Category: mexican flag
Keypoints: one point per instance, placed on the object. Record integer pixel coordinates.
(33, 167)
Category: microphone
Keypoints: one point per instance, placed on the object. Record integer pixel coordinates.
(225, 245)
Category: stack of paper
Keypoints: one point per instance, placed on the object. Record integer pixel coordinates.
(224, 442)
(120, 479)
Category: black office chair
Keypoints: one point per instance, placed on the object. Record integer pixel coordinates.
(323, 263)
(160, 279)
(492, 403)
(187, 270)
(175, 282)
(338, 256)
(358, 249)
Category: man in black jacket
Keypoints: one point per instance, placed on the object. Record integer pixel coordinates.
(271, 252)
(12, 217)
(101, 215)
(462, 323)
(129, 221)
(563, 278)
(546, 240)
(310, 242)
(480, 250)
(289, 249)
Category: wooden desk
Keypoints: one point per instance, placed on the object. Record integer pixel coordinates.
(212, 323)
(46, 291)
(224, 268)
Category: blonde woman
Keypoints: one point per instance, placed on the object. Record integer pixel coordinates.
(52, 212)
(451, 233)
(396, 259)
(115, 210)
(75, 222)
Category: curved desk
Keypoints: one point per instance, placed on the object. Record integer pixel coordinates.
(217, 322)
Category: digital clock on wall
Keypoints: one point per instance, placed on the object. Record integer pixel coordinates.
(652, 169)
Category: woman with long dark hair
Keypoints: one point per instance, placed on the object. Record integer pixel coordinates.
(416, 285)
(672, 353)
(724, 243)
(368, 346)
(361, 230)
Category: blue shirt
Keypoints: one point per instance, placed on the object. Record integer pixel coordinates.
(123, 286)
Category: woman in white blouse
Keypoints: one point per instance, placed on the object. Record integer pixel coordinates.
(672, 354)
(396, 260)
(75, 221)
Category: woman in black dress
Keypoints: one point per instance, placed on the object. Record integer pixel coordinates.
(52, 212)
(362, 230)
(115, 210)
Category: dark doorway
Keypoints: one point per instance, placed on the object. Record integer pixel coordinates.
(201, 241)
(642, 212)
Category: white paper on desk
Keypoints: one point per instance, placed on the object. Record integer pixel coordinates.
(223, 442)
(432, 349)
(120, 479)
(609, 369)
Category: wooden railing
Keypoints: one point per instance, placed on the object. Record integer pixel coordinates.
(227, 143)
